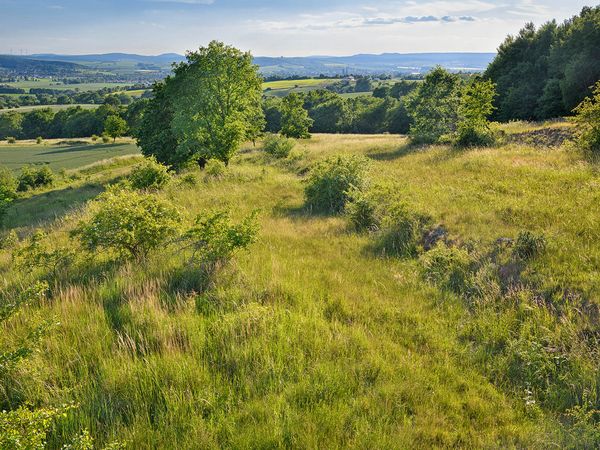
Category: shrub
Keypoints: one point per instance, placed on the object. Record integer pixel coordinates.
(215, 168)
(529, 245)
(39, 140)
(94, 138)
(278, 146)
(129, 223)
(8, 190)
(366, 208)
(448, 267)
(11, 140)
(105, 139)
(401, 231)
(214, 238)
(38, 253)
(149, 175)
(330, 181)
(32, 178)
(587, 118)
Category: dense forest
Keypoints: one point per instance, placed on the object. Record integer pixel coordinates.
(545, 72)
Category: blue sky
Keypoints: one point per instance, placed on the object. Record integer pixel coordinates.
(269, 27)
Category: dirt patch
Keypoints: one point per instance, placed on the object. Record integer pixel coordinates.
(547, 137)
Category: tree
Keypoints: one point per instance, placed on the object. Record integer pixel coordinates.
(587, 118)
(11, 124)
(476, 105)
(115, 126)
(433, 107)
(295, 122)
(363, 84)
(8, 190)
(216, 98)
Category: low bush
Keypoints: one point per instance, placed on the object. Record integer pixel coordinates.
(149, 174)
(34, 177)
(366, 208)
(278, 146)
(8, 190)
(105, 139)
(215, 238)
(448, 267)
(39, 140)
(11, 140)
(401, 231)
(39, 253)
(129, 223)
(529, 245)
(215, 168)
(94, 138)
(330, 181)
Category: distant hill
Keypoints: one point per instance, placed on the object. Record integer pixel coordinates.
(309, 65)
(29, 66)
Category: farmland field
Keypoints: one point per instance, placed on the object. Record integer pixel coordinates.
(62, 156)
(46, 83)
(24, 109)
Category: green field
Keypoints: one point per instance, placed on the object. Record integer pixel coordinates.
(52, 84)
(24, 109)
(283, 87)
(59, 157)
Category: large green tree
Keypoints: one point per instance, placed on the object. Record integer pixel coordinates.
(433, 107)
(216, 98)
(295, 122)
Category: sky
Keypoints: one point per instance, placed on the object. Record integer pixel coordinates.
(269, 27)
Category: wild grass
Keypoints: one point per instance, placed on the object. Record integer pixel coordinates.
(309, 340)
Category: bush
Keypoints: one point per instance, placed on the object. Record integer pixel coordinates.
(215, 168)
(448, 267)
(8, 189)
(278, 146)
(402, 231)
(38, 253)
(529, 245)
(149, 175)
(476, 105)
(587, 118)
(39, 140)
(367, 208)
(129, 223)
(11, 140)
(214, 239)
(330, 181)
(94, 138)
(105, 139)
(32, 178)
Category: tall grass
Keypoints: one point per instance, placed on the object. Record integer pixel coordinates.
(308, 340)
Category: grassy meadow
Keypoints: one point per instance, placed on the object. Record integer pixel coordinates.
(62, 153)
(309, 339)
(47, 83)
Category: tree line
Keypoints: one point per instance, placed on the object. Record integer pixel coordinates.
(546, 72)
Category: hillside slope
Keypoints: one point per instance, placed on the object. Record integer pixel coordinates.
(311, 340)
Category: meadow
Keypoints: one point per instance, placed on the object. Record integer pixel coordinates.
(24, 109)
(62, 153)
(283, 87)
(47, 83)
(309, 339)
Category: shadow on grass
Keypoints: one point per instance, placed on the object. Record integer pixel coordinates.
(49, 206)
(400, 152)
(300, 213)
(85, 148)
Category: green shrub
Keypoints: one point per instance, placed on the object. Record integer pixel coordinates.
(587, 118)
(39, 140)
(11, 140)
(32, 178)
(129, 223)
(330, 181)
(476, 105)
(8, 190)
(149, 175)
(401, 231)
(39, 253)
(105, 138)
(278, 146)
(214, 238)
(448, 267)
(94, 138)
(366, 208)
(215, 168)
(529, 245)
